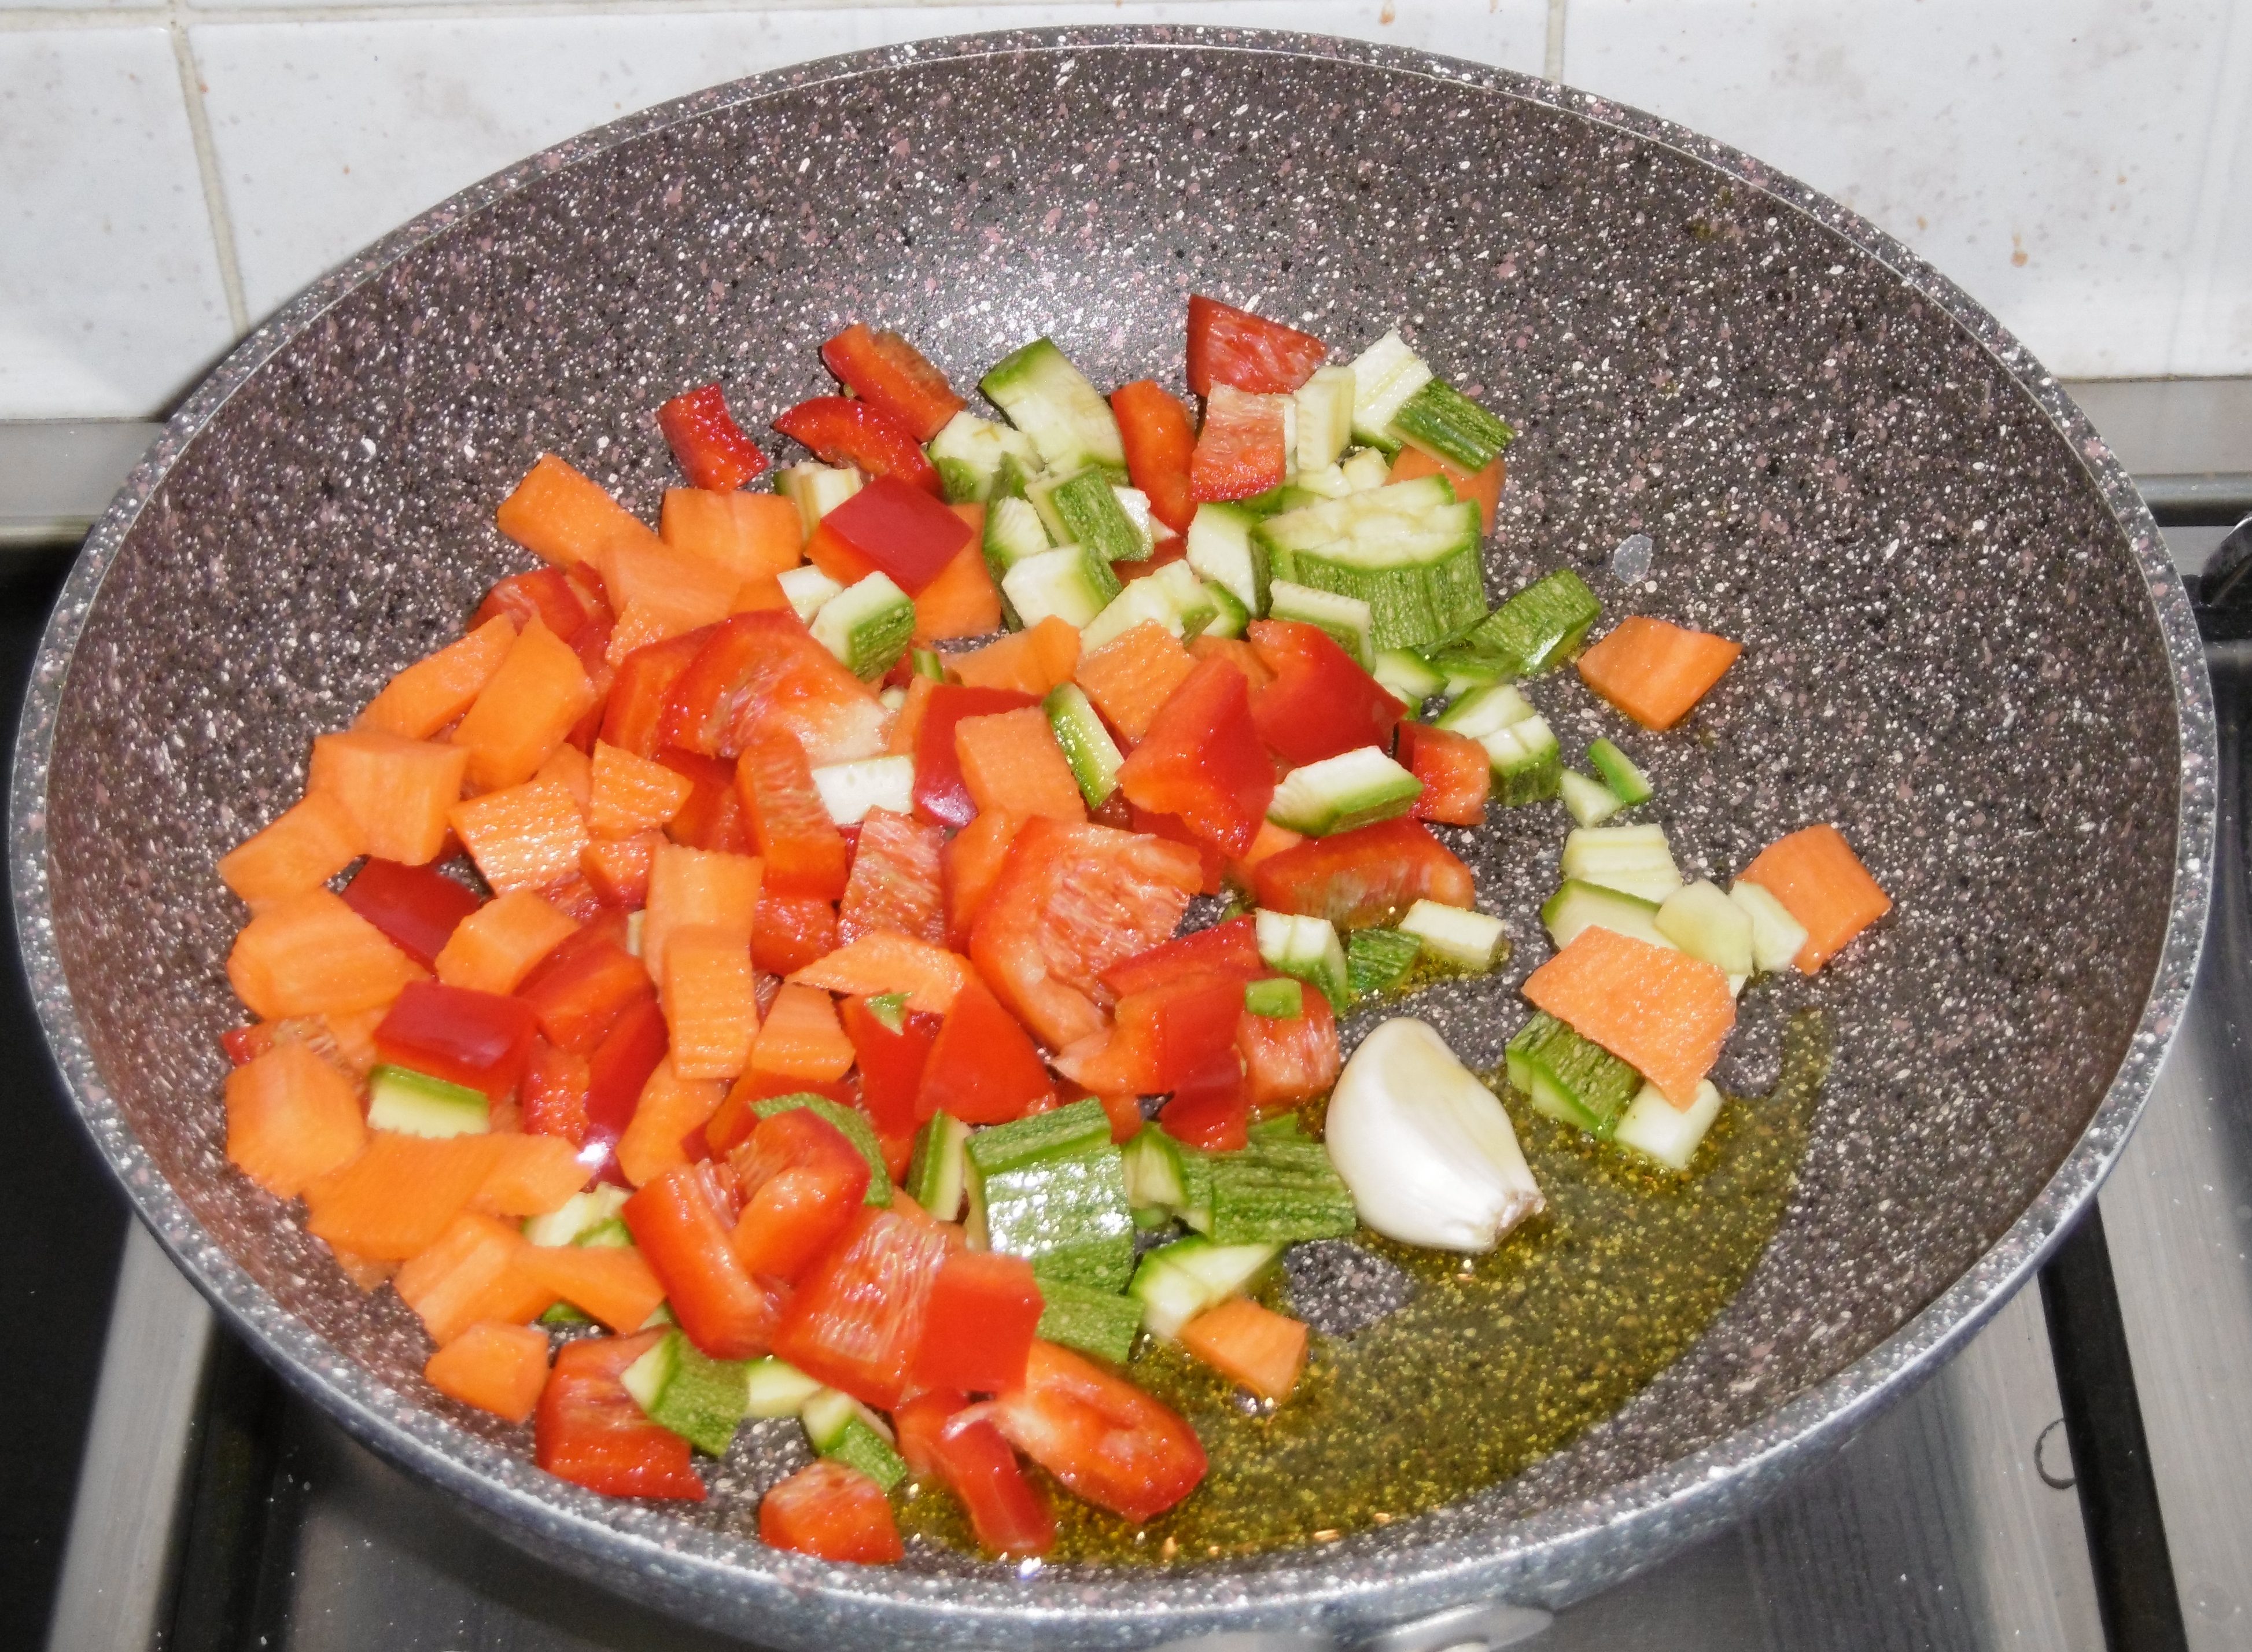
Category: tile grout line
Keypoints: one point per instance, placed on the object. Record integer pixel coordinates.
(1552, 65)
(222, 224)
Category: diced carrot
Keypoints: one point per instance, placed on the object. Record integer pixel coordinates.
(802, 1038)
(631, 793)
(697, 888)
(291, 1118)
(617, 869)
(396, 790)
(611, 1283)
(883, 962)
(894, 884)
(963, 600)
(1662, 1013)
(1236, 652)
(523, 837)
(467, 1273)
(435, 691)
(367, 1274)
(791, 931)
(1262, 1350)
(531, 1175)
(641, 624)
(353, 1036)
(756, 596)
(709, 1002)
(494, 1366)
(1132, 675)
(670, 1107)
(395, 1199)
(843, 563)
(690, 590)
(1009, 759)
(557, 513)
(907, 727)
(302, 848)
(493, 947)
(1030, 662)
(570, 768)
(527, 710)
(1484, 486)
(311, 955)
(1822, 883)
(1655, 672)
(970, 866)
(751, 535)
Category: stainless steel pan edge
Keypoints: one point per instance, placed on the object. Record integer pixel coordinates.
(1562, 1553)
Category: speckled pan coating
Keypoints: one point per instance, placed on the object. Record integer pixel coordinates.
(1964, 641)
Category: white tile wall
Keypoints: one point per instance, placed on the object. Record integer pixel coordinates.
(2073, 162)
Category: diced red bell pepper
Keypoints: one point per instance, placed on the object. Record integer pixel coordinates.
(1213, 1112)
(890, 374)
(1175, 1033)
(1232, 346)
(553, 1101)
(730, 1127)
(982, 1068)
(1321, 703)
(1202, 759)
(763, 671)
(1231, 949)
(415, 906)
(633, 719)
(1287, 1059)
(1118, 1447)
(1456, 772)
(580, 989)
(1009, 1516)
(1358, 878)
(1158, 439)
(616, 1072)
(589, 1431)
(844, 432)
(977, 1328)
(712, 451)
(479, 1039)
(901, 529)
(1172, 548)
(712, 816)
(1242, 450)
(789, 932)
(790, 826)
(833, 1513)
(897, 880)
(1212, 863)
(566, 601)
(856, 1319)
(681, 1226)
(891, 1063)
(940, 793)
(801, 1182)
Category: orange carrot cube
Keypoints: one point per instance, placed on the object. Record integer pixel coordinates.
(352, 1035)
(1030, 662)
(907, 727)
(494, 1366)
(1483, 486)
(291, 1118)
(963, 600)
(617, 869)
(563, 515)
(1254, 1346)
(395, 1199)
(884, 961)
(467, 1273)
(802, 1038)
(756, 596)
(1822, 883)
(1129, 678)
(531, 1175)
(611, 1283)
(1662, 1013)
(696, 886)
(527, 710)
(657, 577)
(310, 955)
(435, 691)
(303, 847)
(1654, 672)
(525, 836)
(493, 947)
(631, 795)
(970, 864)
(1011, 760)
(751, 535)
(710, 1003)
(396, 790)
(670, 1107)
(570, 768)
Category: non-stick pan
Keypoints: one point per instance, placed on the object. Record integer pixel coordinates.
(1964, 640)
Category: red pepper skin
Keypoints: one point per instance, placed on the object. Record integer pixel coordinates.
(1214, 1113)
(1232, 346)
(1009, 1516)
(1362, 877)
(1202, 759)
(1158, 439)
(802, 1181)
(415, 906)
(1240, 451)
(1457, 775)
(899, 529)
(803, 851)
(763, 672)
(917, 1424)
(479, 1039)
(1321, 703)
(633, 719)
(977, 1328)
(982, 1068)
(1289, 1059)
(841, 431)
(712, 816)
(855, 1320)
(566, 602)
(1231, 949)
(941, 795)
(789, 932)
(580, 989)
(617, 1072)
(682, 1229)
(1174, 829)
(833, 1513)
(732, 1125)
(890, 374)
(712, 451)
(1178, 1033)
(1108, 1440)
(589, 1431)
(891, 1063)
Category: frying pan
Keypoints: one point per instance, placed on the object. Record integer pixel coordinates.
(1963, 641)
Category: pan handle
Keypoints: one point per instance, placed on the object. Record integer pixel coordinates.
(1484, 1627)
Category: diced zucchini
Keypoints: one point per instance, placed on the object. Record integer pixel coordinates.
(1656, 1129)
(809, 589)
(1456, 936)
(1777, 936)
(1421, 576)
(1634, 859)
(1057, 1133)
(1577, 905)
(1570, 1078)
(1539, 628)
(1221, 550)
(634, 924)
(1589, 802)
(1346, 619)
(890, 1009)
(1384, 377)
(1448, 425)
(1083, 509)
(972, 455)
(1070, 583)
(853, 1124)
(1155, 1178)
(610, 1235)
(416, 1104)
(1406, 674)
(892, 699)
(866, 626)
(1287, 1126)
(1629, 784)
(1103, 1323)
(700, 1399)
(1700, 920)
(938, 1174)
(839, 1426)
(1342, 792)
(1176, 1283)
(581, 1213)
(1143, 600)
(1230, 617)
(1067, 1215)
(1192, 600)
(1324, 410)
(1379, 959)
(1528, 765)
(816, 489)
(1466, 673)
(1485, 710)
(1052, 401)
(1365, 469)
(564, 1314)
(1093, 756)
(1322, 481)
(928, 663)
(1013, 531)
(1278, 1000)
(1279, 1190)
(1306, 947)
(850, 790)
(773, 1388)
